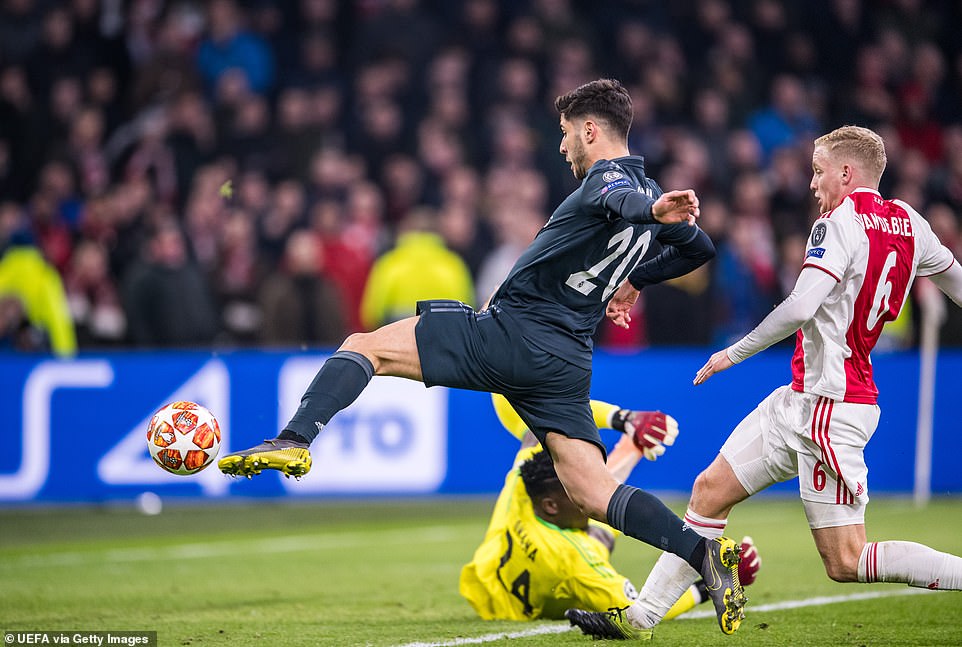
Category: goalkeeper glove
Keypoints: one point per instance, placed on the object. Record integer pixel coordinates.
(651, 431)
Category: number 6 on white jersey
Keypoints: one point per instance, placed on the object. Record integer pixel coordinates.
(883, 293)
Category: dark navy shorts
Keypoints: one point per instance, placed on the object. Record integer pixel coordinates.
(485, 351)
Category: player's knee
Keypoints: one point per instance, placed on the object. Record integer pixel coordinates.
(702, 484)
(703, 490)
(354, 342)
(840, 568)
(587, 503)
(589, 500)
(716, 490)
(839, 573)
(362, 343)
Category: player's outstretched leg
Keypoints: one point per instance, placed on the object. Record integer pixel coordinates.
(339, 382)
(720, 572)
(287, 456)
(611, 624)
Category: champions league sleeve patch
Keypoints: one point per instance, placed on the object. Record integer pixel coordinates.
(818, 234)
(613, 180)
(611, 176)
(613, 185)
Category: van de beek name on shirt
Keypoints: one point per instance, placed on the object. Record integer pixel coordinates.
(897, 226)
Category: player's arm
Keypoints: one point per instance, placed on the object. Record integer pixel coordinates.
(610, 191)
(935, 260)
(811, 289)
(685, 249)
(668, 208)
(950, 282)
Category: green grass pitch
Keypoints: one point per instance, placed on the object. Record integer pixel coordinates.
(278, 572)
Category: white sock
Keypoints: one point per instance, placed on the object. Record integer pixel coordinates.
(705, 526)
(910, 563)
(670, 577)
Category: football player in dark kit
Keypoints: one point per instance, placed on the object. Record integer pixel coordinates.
(533, 342)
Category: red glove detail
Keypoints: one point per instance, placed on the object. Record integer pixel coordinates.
(651, 432)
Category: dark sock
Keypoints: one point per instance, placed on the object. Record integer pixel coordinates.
(290, 435)
(702, 592)
(643, 516)
(697, 556)
(341, 379)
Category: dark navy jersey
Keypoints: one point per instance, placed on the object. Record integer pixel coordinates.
(559, 287)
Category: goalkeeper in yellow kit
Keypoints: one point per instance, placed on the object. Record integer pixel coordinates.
(541, 555)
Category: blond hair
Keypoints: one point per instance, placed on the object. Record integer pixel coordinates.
(855, 144)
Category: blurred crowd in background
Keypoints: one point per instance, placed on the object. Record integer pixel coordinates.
(231, 173)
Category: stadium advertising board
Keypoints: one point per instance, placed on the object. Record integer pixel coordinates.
(78, 428)
(75, 431)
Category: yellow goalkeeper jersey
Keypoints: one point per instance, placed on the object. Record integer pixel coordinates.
(528, 568)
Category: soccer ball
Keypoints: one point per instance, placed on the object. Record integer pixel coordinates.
(183, 437)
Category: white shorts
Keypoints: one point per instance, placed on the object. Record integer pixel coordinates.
(815, 438)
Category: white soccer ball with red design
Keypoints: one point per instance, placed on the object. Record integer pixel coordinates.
(183, 437)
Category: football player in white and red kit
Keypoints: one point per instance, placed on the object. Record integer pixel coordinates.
(861, 260)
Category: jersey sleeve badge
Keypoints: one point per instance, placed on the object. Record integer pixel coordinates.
(611, 176)
(818, 234)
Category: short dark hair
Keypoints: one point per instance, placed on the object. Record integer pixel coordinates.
(605, 99)
(539, 475)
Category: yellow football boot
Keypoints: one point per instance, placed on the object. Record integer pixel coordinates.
(287, 456)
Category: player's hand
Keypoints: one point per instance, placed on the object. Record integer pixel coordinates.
(620, 305)
(651, 432)
(715, 364)
(750, 562)
(676, 206)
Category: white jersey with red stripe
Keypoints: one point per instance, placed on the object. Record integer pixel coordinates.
(874, 248)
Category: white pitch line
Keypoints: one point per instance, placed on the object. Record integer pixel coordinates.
(814, 602)
(225, 548)
(774, 606)
(534, 631)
